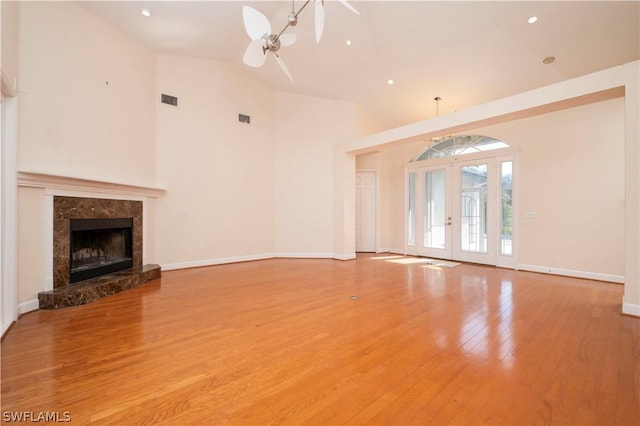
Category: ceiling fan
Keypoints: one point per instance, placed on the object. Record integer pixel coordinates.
(319, 15)
(263, 40)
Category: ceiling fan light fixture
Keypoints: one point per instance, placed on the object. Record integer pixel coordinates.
(292, 19)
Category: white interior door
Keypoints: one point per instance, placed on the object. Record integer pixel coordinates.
(365, 211)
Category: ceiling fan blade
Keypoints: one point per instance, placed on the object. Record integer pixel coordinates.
(283, 66)
(255, 23)
(287, 39)
(348, 6)
(319, 19)
(254, 56)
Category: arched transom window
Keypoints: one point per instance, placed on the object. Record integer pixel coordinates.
(460, 145)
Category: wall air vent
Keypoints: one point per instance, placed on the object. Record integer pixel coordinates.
(169, 100)
(244, 118)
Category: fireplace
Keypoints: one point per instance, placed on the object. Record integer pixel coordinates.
(97, 250)
(99, 247)
(100, 218)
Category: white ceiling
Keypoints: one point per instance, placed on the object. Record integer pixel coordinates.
(465, 52)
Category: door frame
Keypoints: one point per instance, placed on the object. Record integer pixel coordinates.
(9, 310)
(420, 249)
(376, 208)
(452, 164)
(491, 218)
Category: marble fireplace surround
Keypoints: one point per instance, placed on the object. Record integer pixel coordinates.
(67, 197)
(66, 208)
(64, 293)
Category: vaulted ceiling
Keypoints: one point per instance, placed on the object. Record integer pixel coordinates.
(467, 53)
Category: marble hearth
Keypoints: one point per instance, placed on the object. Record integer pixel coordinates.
(87, 291)
(64, 293)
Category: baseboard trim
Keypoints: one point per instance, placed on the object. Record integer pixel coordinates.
(350, 256)
(5, 329)
(28, 306)
(631, 309)
(336, 256)
(217, 261)
(304, 255)
(572, 273)
(382, 250)
(401, 252)
(250, 258)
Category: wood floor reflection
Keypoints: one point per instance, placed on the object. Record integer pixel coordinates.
(283, 341)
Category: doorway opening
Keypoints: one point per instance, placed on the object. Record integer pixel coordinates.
(366, 206)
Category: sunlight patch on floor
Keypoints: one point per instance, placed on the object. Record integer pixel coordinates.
(437, 268)
(425, 261)
(393, 256)
(438, 262)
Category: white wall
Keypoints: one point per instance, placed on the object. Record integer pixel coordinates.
(31, 247)
(569, 174)
(88, 108)
(218, 172)
(71, 122)
(307, 128)
(9, 41)
(238, 191)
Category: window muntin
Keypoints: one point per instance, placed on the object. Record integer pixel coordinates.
(460, 145)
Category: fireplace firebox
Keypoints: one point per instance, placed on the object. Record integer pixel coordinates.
(99, 247)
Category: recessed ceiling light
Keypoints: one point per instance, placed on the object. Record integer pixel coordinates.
(146, 12)
(532, 20)
(390, 82)
(348, 42)
(548, 60)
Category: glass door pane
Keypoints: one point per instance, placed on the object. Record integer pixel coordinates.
(473, 208)
(506, 217)
(434, 209)
(411, 209)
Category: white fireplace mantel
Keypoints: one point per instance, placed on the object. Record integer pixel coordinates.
(70, 183)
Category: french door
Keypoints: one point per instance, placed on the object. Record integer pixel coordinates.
(456, 210)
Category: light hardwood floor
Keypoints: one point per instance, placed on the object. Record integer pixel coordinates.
(282, 342)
